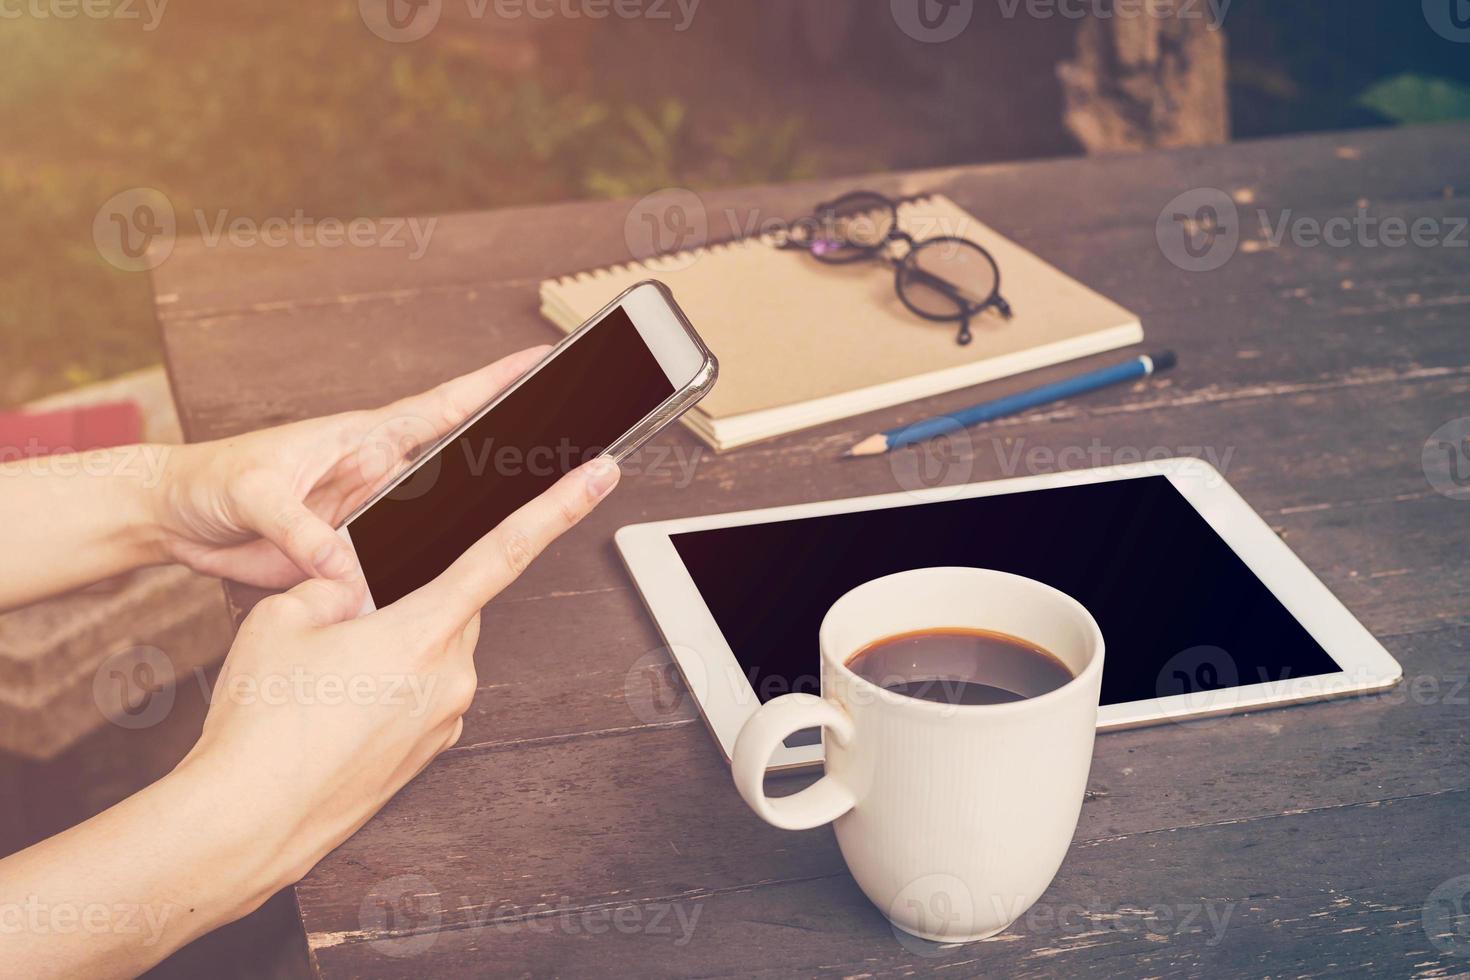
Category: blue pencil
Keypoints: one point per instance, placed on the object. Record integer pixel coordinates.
(1138, 367)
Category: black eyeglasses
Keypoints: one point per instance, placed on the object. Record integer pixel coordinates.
(945, 278)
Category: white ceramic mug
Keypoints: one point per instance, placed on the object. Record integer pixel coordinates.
(952, 818)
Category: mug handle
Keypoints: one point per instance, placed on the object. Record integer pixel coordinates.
(822, 801)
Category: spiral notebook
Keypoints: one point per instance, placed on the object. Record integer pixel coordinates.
(802, 343)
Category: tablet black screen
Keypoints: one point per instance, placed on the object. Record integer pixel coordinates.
(1179, 611)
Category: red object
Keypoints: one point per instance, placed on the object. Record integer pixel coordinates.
(26, 435)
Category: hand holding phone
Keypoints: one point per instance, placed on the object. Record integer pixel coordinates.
(608, 387)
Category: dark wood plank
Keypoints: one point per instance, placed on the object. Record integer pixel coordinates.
(1309, 893)
(569, 821)
(1279, 317)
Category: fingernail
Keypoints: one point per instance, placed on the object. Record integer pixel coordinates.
(332, 561)
(602, 476)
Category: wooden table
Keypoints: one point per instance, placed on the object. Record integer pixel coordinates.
(586, 824)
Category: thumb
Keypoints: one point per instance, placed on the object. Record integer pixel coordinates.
(308, 541)
(322, 602)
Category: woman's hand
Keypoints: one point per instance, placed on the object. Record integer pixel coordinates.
(261, 508)
(316, 720)
(320, 718)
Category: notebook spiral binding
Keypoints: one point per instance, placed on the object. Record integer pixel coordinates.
(674, 261)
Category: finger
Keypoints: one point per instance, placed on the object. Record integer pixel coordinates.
(450, 403)
(499, 557)
(322, 602)
(455, 732)
(469, 638)
(257, 562)
(272, 511)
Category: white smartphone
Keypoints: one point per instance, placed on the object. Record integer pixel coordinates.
(630, 370)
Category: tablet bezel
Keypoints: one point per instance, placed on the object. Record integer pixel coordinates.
(726, 699)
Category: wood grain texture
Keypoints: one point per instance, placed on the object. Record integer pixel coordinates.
(576, 810)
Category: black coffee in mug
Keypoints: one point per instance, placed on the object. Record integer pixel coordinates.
(960, 666)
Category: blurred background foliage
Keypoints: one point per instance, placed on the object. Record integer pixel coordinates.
(275, 106)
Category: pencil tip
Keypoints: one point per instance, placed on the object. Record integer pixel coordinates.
(871, 446)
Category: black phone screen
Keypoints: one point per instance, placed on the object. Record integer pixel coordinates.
(582, 401)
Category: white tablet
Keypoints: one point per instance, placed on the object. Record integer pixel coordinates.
(1203, 609)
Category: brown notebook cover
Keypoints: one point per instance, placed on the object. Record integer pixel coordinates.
(801, 342)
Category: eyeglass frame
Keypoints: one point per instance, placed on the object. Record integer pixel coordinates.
(967, 310)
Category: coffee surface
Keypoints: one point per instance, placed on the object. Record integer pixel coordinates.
(960, 666)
